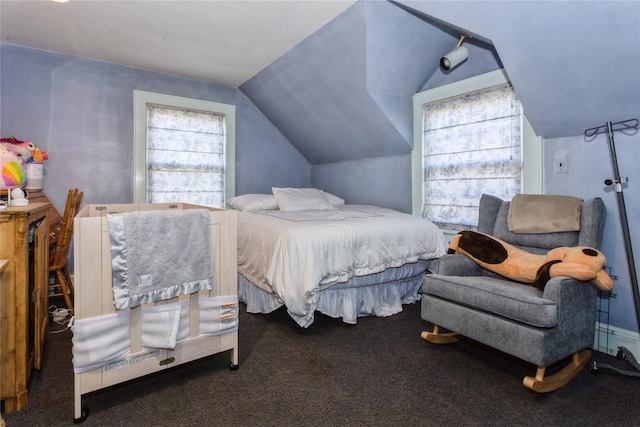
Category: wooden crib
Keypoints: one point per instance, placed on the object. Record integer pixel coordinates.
(94, 299)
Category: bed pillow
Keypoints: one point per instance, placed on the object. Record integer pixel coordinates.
(301, 199)
(253, 202)
(334, 200)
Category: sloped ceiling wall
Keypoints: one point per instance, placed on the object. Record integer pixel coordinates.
(574, 64)
(345, 93)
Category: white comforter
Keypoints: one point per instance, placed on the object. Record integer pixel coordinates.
(295, 254)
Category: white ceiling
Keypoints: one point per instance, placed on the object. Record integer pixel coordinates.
(226, 42)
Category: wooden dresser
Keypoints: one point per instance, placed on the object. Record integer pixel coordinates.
(24, 298)
(3, 265)
(54, 217)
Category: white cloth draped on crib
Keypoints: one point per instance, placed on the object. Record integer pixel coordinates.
(100, 340)
(164, 326)
(157, 255)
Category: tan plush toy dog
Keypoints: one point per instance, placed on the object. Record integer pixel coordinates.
(581, 262)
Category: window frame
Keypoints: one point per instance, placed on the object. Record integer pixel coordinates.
(140, 101)
(531, 143)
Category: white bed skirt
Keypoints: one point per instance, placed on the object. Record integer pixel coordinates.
(360, 297)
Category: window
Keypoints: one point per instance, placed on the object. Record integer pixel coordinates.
(183, 150)
(469, 142)
(471, 146)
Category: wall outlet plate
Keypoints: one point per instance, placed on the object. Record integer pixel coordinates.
(560, 165)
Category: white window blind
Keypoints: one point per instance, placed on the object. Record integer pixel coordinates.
(185, 156)
(471, 146)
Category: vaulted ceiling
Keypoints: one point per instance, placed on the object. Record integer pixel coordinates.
(337, 77)
(346, 93)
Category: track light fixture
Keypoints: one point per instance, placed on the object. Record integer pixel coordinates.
(455, 57)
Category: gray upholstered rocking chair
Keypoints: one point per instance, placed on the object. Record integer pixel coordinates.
(540, 327)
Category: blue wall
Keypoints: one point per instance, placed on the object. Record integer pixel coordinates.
(382, 181)
(81, 112)
(589, 165)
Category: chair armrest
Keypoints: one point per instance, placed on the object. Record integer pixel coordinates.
(458, 265)
(571, 295)
(562, 287)
(576, 310)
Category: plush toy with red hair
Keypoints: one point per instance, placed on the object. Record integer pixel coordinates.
(581, 262)
(27, 151)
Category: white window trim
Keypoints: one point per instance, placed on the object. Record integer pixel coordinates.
(531, 143)
(140, 101)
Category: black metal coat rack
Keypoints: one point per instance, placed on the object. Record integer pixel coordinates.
(630, 125)
(625, 126)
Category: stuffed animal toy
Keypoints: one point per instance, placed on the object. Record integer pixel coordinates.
(13, 174)
(581, 262)
(26, 150)
(23, 153)
(37, 155)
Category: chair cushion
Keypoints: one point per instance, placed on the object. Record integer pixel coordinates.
(516, 301)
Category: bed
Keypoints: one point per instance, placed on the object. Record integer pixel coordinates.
(309, 251)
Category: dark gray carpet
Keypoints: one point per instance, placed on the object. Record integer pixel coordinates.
(377, 373)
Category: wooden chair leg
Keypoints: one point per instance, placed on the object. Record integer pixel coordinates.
(553, 382)
(64, 286)
(69, 283)
(436, 337)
